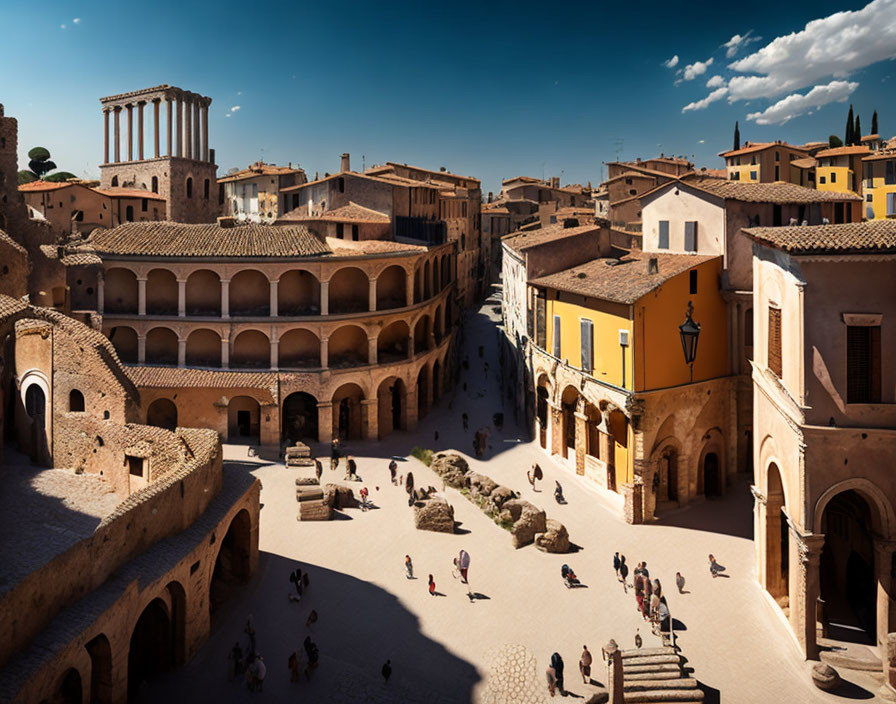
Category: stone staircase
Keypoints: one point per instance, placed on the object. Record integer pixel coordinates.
(299, 455)
(657, 675)
(309, 494)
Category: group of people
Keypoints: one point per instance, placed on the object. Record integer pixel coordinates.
(248, 662)
(461, 569)
(555, 671)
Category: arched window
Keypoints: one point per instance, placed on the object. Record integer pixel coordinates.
(129, 213)
(75, 401)
(115, 182)
(155, 184)
(189, 187)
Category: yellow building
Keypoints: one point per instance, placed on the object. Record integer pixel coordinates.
(616, 397)
(840, 169)
(764, 162)
(880, 185)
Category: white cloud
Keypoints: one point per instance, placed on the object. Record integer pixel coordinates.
(671, 63)
(715, 82)
(795, 105)
(62, 26)
(701, 141)
(234, 108)
(698, 68)
(77, 20)
(737, 42)
(227, 115)
(832, 46)
(717, 94)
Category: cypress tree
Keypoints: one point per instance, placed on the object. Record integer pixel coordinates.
(857, 132)
(874, 123)
(737, 135)
(848, 137)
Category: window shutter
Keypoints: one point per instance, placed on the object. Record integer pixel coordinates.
(557, 336)
(891, 203)
(664, 234)
(774, 341)
(690, 236)
(540, 321)
(890, 176)
(863, 364)
(587, 344)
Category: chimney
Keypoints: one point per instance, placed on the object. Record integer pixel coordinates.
(345, 164)
(226, 221)
(555, 182)
(491, 196)
(653, 266)
(211, 156)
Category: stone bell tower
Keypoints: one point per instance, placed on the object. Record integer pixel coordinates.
(177, 163)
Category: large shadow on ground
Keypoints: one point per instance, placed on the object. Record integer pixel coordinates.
(731, 515)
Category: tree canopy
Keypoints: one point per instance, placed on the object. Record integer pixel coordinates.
(834, 141)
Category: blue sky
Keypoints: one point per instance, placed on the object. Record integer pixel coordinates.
(491, 90)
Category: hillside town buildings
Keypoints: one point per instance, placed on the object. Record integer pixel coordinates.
(253, 193)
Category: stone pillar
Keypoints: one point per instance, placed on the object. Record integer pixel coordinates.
(181, 297)
(196, 130)
(155, 124)
(225, 298)
(205, 152)
(413, 411)
(141, 349)
(325, 421)
(371, 350)
(613, 656)
(883, 561)
(274, 298)
(371, 296)
(411, 347)
(130, 108)
(324, 297)
(188, 128)
(409, 288)
(100, 293)
(581, 441)
(140, 107)
(324, 352)
(105, 136)
(225, 353)
(169, 107)
(805, 588)
(370, 418)
(275, 354)
(556, 414)
(141, 295)
(181, 352)
(117, 130)
(180, 126)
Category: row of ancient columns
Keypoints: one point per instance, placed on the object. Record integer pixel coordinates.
(187, 130)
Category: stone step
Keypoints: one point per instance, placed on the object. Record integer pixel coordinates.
(313, 511)
(688, 696)
(653, 675)
(644, 685)
(643, 652)
(310, 493)
(662, 667)
(652, 660)
(862, 660)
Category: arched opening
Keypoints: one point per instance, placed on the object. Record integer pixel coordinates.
(711, 474)
(129, 213)
(202, 296)
(427, 281)
(243, 420)
(436, 381)
(114, 182)
(777, 540)
(151, 650)
(124, 340)
(437, 329)
(154, 184)
(203, 349)
(298, 294)
(568, 402)
(542, 394)
(75, 401)
(162, 413)
(100, 670)
(189, 186)
(592, 431)
(161, 346)
(390, 288)
(847, 569)
(349, 291)
(418, 285)
(299, 349)
(251, 350)
(421, 335)
(347, 412)
(71, 690)
(250, 294)
(392, 342)
(446, 270)
(667, 469)
(391, 406)
(232, 566)
(348, 347)
(161, 292)
(120, 291)
(299, 417)
(617, 460)
(422, 391)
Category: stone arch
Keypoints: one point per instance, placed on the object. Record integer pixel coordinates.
(617, 457)
(437, 328)
(150, 652)
(777, 537)
(881, 513)
(349, 291)
(161, 292)
(299, 417)
(298, 293)
(251, 350)
(243, 420)
(250, 294)
(162, 413)
(593, 421)
(120, 291)
(161, 346)
(423, 384)
(299, 349)
(437, 381)
(392, 407)
(711, 477)
(70, 689)
(543, 395)
(418, 284)
(124, 340)
(233, 563)
(392, 342)
(427, 280)
(391, 289)
(202, 295)
(422, 330)
(101, 684)
(347, 420)
(203, 348)
(348, 347)
(446, 270)
(569, 399)
(75, 401)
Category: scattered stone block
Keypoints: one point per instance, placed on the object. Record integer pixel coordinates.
(825, 677)
(299, 455)
(314, 511)
(554, 539)
(452, 468)
(481, 485)
(527, 521)
(434, 514)
(339, 497)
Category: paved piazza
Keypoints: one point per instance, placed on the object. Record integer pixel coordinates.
(448, 649)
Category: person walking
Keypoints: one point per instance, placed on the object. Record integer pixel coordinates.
(318, 468)
(393, 468)
(432, 586)
(364, 494)
(585, 665)
(557, 664)
(552, 680)
(387, 671)
(408, 567)
(714, 567)
(260, 671)
(616, 565)
(623, 572)
(293, 664)
(534, 475)
(312, 619)
(352, 468)
(679, 582)
(463, 565)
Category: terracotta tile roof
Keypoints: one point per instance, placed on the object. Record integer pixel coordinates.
(751, 147)
(641, 169)
(9, 241)
(44, 186)
(622, 280)
(525, 179)
(386, 178)
(395, 164)
(870, 137)
(259, 169)
(171, 239)
(842, 151)
(9, 306)
(888, 154)
(117, 192)
(521, 241)
(806, 162)
(711, 173)
(70, 258)
(500, 210)
(178, 377)
(346, 248)
(871, 237)
(778, 192)
(633, 174)
(352, 212)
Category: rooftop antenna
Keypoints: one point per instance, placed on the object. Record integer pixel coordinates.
(561, 177)
(363, 163)
(618, 143)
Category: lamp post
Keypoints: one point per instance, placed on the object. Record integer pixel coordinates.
(690, 333)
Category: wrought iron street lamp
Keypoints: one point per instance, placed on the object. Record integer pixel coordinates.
(690, 333)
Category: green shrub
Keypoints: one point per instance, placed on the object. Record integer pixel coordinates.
(425, 456)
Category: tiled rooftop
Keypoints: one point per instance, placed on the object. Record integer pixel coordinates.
(874, 236)
(520, 241)
(778, 192)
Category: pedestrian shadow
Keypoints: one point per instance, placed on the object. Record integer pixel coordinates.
(678, 625)
(711, 695)
(438, 594)
(461, 531)
(568, 693)
(477, 596)
(340, 516)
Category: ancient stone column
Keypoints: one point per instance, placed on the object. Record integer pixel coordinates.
(324, 297)
(225, 352)
(556, 429)
(805, 588)
(117, 129)
(141, 295)
(105, 136)
(324, 352)
(411, 346)
(196, 130)
(371, 296)
(141, 349)
(371, 350)
(155, 113)
(188, 128)
(275, 353)
(274, 285)
(180, 126)
(413, 411)
(225, 298)
(181, 352)
(169, 107)
(140, 107)
(370, 418)
(181, 297)
(325, 421)
(205, 153)
(100, 293)
(130, 107)
(581, 441)
(409, 288)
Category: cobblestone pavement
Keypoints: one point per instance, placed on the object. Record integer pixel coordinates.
(454, 649)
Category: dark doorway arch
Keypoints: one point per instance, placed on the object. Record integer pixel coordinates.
(541, 413)
(232, 566)
(70, 688)
(162, 413)
(100, 670)
(243, 419)
(712, 475)
(75, 401)
(347, 412)
(777, 539)
(391, 406)
(299, 417)
(668, 470)
(151, 647)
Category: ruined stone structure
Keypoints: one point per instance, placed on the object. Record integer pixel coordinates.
(181, 168)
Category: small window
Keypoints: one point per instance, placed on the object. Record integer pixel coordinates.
(692, 284)
(863, 364)
(833, 177)
(774, 341)
(341, 184)
(628, 181)
(355, 233)
(155, 184)
(869, 197)
(587, 329)
(690, 236)
(340, 229)
(189, 187)
(75, 401)
(821, 179)
(115, 182)
(890, 173)
(632, 192)
(777, 156)
(129, 213)
(664, 235)
(206, 189)
(135, 465)
(753, 175)
(144, 205)
(556, 346)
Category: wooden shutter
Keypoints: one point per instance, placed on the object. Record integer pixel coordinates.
(540, 321)
(557, 336)
(664, 234)
(863, 364)
(774, 341)
(891, 203)
(690, 236)
(587, 328)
